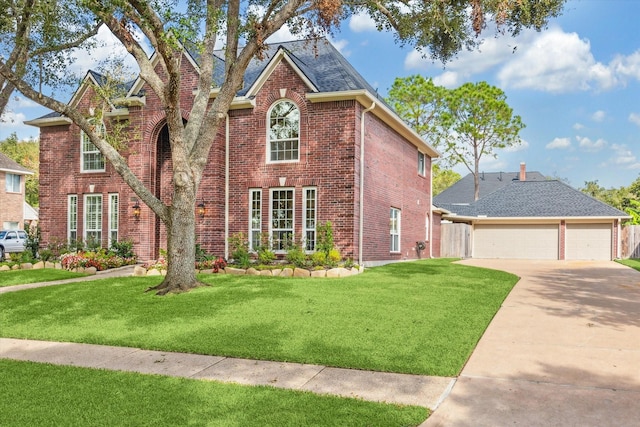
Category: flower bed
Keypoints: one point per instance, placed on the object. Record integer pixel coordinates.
(100, 260)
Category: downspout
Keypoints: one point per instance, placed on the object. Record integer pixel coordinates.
(361, 228)
(226, 188)
(430, 207)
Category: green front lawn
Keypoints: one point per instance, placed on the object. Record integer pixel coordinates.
(420, 317)
(45, 395)
(630, 262)
(21, 277)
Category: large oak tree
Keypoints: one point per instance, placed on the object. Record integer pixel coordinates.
(439, 28)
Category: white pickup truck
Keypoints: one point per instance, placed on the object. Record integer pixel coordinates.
(12, 241)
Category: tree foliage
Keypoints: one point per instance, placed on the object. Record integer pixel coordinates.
(475, 122)
(626, 199)
(437, 28)
(26, 153)
(36, 39)
(442, 178)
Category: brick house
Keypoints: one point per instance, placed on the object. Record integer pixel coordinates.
(306, 141)
(12, 193)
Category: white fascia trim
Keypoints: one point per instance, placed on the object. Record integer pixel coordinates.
(530, 219)
(238, 103)
(51, 121)
(16, 172)
(271, 66)
(365, 98)
(131, 101)
(118, 113)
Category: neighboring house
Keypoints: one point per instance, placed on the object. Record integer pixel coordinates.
(307, 141)
(12, 193)
(523, 215)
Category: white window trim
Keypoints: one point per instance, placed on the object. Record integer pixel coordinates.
(293, 218)
(268, 156)
(305, 229)
(113, 197)
(82, 152)
(399, 229)
(84, 217)
(423, 171)
(12, 189)
(72, 204)
(251, 228)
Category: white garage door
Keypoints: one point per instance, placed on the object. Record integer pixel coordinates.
(521, 241)
(588, 241)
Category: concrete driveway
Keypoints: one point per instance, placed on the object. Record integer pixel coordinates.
(564, 350)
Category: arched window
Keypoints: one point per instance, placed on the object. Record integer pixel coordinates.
(284, 132)
(91, 158)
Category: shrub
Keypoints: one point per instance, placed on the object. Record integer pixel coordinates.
(334, 257)
(319, 259)
(33, 240)
(46, 255)
(123, 249)
(101, 260)
(266, 256)
(295, 255)
(324, 238)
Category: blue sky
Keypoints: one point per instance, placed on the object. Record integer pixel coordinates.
(576, 86)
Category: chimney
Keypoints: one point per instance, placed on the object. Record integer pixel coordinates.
(523, 171)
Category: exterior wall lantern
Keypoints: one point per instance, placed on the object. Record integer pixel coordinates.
(201, 209)
(136, 210)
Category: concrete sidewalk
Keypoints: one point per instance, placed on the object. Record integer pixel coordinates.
(563, 350)
(375, 386)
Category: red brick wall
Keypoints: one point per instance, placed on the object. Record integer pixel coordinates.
(392, 180)
(329, 161)
(11, 204)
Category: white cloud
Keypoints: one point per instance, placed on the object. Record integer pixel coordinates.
(12, 119)
(590, 146)
(627, 66)
(559, 143)
(622, 158)
(635, 118)
(361, 22)
(578, 126)
(449, 79)
(556, 62)
(341, 46)
(520, 147)
(598, 116)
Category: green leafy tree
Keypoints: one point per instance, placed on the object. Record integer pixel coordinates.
(475, 122)
(35, 38)
(26, 153)
(619, 198)
(418, 101)
(439, 29)
(443, 178)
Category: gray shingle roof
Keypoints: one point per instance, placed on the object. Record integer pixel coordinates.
(8, 164)
(541, 199)
(462, 191)
(320, 62)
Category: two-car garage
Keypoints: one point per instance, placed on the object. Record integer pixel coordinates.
(588, 241)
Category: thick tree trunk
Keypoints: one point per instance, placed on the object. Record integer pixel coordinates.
(181, 243)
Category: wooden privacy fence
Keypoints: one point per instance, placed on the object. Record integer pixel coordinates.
(455, 240)
(630, 241)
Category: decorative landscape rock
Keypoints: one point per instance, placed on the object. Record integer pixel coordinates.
(319, 273)
(266, 273)
(253, 272)
(139, 271)
(38, 265)
(301, 272)
(286, 272)
(26, 266)
(231, 270)
(5, 268)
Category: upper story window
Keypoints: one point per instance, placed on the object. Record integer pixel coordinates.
(91, 159)
(421, 164)
(284, 132)
(12, 183)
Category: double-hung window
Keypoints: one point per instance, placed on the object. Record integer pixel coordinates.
(421, 164)
(282, 220)
(12, 183)
(255, 218)
(93, 220)
(113, 218)
(91, 159)
(309, 219)
(284, 132)
(72, 218)
(394, 229)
